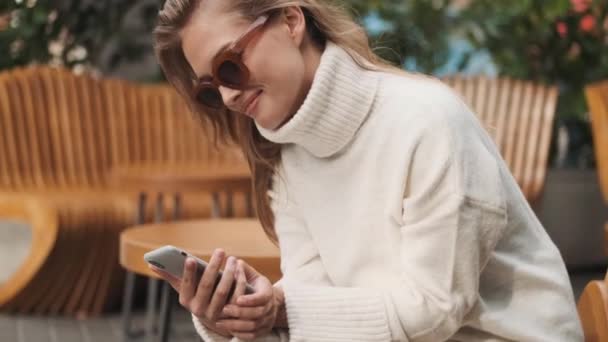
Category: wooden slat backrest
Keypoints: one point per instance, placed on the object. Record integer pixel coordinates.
(6, 153)
(25, 112)
(597, 99)
(115, 96)
(63, 130)
(62, 113)
(36, 100)
(519, 116)
(10, 167)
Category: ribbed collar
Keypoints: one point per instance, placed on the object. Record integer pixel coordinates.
(339, 100)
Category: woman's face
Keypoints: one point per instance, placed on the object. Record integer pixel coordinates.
(281, 67)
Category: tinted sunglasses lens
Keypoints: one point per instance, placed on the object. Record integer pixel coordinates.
(210, 97)
(231, 73)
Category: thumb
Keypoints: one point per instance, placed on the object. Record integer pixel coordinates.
(250, 272)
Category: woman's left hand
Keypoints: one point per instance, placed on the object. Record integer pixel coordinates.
(256, 314)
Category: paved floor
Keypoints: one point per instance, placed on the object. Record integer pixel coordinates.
(15, 239)
(107, 328)
(44, 329)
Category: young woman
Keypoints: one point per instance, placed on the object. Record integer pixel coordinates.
(396, 217)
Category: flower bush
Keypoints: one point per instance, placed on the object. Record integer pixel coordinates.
(564, 42)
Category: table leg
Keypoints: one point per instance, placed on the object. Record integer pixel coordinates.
(153, 284)
(127, 304)
(160, 208)
(168, 296)
(216, 208)
(127, 308)
(177, 206)
(249, 199)
(229, 204)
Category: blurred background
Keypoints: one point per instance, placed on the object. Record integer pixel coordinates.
(552, 43)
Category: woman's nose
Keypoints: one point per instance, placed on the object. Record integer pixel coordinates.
(231, 97)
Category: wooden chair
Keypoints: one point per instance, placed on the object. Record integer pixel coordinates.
(597, 100)
(61, 135)
(43, 224)
(519, 116)
(593, 311)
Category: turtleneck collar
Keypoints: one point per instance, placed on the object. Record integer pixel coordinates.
(339, 100)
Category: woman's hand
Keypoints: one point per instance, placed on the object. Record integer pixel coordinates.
(256, 314)
(202, 301)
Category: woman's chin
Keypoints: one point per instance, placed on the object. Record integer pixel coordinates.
(270, 121)
(265, 123)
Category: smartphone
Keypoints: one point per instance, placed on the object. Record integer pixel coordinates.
(171, 260)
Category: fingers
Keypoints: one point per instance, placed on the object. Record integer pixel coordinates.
(241, 282)
(258, 298)
(247, 313)
(250, 272)
(207, 283)
(173, 281)
(188, 289)
(240, 326)
(222, 292)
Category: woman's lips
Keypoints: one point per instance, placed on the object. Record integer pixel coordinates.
(249, 111)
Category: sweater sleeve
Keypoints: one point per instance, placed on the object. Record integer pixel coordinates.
(454, 213)
(209, 336)
(301, 265)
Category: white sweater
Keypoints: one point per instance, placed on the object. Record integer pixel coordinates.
(398, 220)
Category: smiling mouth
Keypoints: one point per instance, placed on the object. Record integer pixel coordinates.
(252, 104)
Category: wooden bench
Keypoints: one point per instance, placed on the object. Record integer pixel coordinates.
(519, 116)
(42, 223)
(60, 137)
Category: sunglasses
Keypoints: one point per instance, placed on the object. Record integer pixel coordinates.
(228, 69)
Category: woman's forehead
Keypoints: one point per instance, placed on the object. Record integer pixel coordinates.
(206, 34)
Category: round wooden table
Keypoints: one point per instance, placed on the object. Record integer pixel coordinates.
(242, 238)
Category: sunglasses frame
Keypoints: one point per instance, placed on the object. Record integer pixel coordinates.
(232, 53)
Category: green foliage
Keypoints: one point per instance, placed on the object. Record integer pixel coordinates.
(555, 41)
(416, 31)
(99, 34)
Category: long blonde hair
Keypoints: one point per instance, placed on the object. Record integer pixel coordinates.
(325, 20)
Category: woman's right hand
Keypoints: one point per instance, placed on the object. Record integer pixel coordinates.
(201, 300)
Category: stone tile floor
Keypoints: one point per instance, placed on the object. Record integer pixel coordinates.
(107, 328)
(103, 329)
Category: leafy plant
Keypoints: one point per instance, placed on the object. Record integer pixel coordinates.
(555, 41)
(86, 33)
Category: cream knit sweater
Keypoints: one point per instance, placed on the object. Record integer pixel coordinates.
(398, 220)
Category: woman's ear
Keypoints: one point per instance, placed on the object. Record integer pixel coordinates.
(296, 23)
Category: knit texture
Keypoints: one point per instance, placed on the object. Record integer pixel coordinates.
(398, 220)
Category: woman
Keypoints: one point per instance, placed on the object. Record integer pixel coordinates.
(395, 215)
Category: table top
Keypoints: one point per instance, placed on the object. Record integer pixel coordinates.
(242, 238)
(211, 177)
